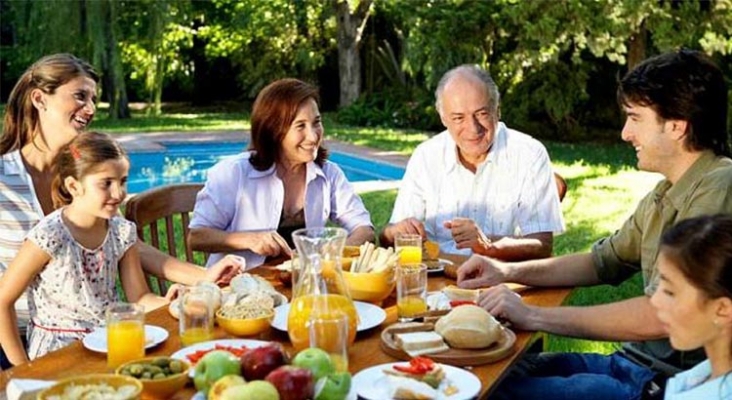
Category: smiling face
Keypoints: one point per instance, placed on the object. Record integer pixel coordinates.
(686, 314)
(300, 144)
(66, 112)
(102, 191)
(655, 140)
(467, 114)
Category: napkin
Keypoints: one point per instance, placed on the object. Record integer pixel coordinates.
(26, 389)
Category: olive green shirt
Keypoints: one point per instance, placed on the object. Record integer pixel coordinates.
(706, 188)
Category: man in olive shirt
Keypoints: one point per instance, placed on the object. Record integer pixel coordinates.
(676, 107)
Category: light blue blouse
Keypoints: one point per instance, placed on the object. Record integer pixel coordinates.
(693, 385)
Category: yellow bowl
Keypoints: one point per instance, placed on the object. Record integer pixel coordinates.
(351, 251)
(372, 287)
(244, 327)
(163, 388)
(115, 381)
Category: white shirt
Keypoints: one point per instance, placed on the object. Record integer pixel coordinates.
(20, 211)
(511, 193)
(238, 198)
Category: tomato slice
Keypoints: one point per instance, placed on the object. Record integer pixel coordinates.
(417, 366)
(456, 303)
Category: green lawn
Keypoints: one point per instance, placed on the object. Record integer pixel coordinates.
(604, 187)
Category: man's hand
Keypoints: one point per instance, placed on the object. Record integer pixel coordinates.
(505, 304)
(225, 269)
(480, 271)
(269, 244)
(411, 226)
(467, 235)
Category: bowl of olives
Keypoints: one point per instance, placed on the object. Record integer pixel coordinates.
(161, 377)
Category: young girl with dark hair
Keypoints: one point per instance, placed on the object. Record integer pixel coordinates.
(694, 303)
(70, 260)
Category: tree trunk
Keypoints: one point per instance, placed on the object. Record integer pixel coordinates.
(350, 28)
(102, 28)
(637, 46)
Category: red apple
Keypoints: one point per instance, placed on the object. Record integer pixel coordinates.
(256, 363)
(292, 383)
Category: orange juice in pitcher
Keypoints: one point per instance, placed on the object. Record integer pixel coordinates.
(305, 307)
(320, 289)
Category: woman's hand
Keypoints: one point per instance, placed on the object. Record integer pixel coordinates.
(269, 244)
(225, 269)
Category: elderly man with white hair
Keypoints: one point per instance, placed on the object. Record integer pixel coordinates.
(479, 186)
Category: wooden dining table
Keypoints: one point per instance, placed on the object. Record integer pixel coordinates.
(75, 359)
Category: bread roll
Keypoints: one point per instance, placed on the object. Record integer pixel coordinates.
(469, 327)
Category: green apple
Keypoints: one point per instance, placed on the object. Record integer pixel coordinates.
(260, 390)
(333, 387)
(212, 367)
(316, 360)
(215, 393)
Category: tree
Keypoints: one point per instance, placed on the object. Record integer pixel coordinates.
(103, 31)
(350, 29)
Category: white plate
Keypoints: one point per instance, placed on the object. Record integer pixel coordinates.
(182, 353)
(96, 340)
(371, 383)
(436, 266)
(369, 316)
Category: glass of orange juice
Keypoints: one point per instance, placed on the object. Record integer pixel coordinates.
(125, 333)
(196, 321)
(409, 247)
(330, 333)
(411, 290)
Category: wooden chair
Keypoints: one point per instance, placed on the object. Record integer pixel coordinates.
(171, 204)
(561, 186)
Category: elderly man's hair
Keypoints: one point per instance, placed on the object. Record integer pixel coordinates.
(472, 70)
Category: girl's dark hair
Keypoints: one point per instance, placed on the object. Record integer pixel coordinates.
(684, 85)
(273, 112)
(79, 158)
(701, 248)
(46, 74)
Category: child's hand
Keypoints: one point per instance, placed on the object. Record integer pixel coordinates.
(174, 291)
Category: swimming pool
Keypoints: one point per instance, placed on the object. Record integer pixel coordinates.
(188, 162)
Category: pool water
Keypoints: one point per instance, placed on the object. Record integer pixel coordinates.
(188, 162)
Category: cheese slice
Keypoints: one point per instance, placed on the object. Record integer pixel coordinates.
(409, 389)
(420, 343)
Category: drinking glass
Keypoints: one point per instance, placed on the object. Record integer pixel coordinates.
(196, 312)
(411, 291)
(409, 247)
(125, 333)
(330, 333)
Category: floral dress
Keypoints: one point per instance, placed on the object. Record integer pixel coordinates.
(68, 298)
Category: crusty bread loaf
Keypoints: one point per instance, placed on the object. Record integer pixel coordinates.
(469, 327)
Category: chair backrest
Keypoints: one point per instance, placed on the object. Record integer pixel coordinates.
(171, 204)
(561, 186)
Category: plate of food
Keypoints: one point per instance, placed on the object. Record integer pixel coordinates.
(438, 265)
(195, 352)
(369, 316)
(96, 340)
(421, 378)
(465, 336)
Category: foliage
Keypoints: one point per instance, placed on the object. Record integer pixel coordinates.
(269, 42)
(398, 108)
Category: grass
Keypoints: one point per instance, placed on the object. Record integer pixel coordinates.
(604, 188)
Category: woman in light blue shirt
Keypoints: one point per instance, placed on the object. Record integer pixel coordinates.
(252, 203)
(694, 302)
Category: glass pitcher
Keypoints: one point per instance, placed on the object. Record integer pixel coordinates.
(320, 291)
